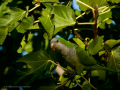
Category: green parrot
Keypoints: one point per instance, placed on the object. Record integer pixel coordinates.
(75, 56)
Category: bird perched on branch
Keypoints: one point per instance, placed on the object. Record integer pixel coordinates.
(75, 56)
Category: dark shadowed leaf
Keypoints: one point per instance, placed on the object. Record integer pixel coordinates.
(95, 46)
(37, 61)
(114, 59)
(86, 86)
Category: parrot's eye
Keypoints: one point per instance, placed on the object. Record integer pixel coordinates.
(57, 41)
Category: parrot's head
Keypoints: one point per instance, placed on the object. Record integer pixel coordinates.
(60, 44)
(55, 43)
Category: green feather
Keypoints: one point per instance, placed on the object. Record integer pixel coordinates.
(66, 43)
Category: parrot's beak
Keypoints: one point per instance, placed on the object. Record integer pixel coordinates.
(53, 47)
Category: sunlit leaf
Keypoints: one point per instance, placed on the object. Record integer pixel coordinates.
(25, 24)
(103, 17)
(47, 21)
(3, 34)
(112, 42)
(95, 46)
(64, 16)
(91, 3)
(13, 15)
(3, 6)
(79, 42)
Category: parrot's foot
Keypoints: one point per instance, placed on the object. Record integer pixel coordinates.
(71, 73)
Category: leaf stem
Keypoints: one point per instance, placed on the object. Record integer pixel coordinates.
(86, 5)
(78, 82)
(88, 82)
(36, 21)
(34, 8)
(104, 12)
(88, 23)
(57, 64)
(102, 7)
(102, 22)
(80, 15)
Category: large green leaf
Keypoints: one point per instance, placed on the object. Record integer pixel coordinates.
(64, 16)
(37, 61)
(25, 25)
(13, 15)
(3, 34)
(95, 46)
(47, 21)
(114, 59)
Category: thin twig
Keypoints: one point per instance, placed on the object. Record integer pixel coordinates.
(86, 23)
(95, 20)
(88, 82)
(80, 15)
(68, 3)
(34, 8)
(36, 21)
(57, 65)
(78, 83)
(102, 7)
(104, 12)
(86, 5)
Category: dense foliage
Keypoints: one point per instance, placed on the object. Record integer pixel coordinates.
(29, 25)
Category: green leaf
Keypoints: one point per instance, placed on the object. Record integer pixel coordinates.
(13, 15)
(104, 16)
(114, 59)
(79, 42)
(99, 73)
(112, 42)
(25, 24)
(114, 1)
(95, 46)
(101, 52)
(86, 86)
(38, 61)
(3, 6)
(64, 16)
(91, 3)
(48, 22)
(3, 34)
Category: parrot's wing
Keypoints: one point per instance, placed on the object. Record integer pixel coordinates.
(84, 58)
